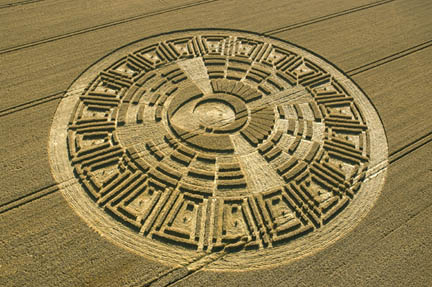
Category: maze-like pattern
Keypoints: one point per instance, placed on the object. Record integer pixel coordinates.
(219, 142)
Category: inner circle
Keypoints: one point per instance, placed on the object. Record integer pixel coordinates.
(214, 113)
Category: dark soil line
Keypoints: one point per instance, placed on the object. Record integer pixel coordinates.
(326, 17)
(178, 274)
(409, 148)
(159, 278)
(270, 32)
(31, 104)
(24, 196)
(9, 5)
(389, 58)
(102, 26)
(29, 198)
(37, 194)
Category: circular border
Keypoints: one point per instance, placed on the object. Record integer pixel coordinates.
(319, 239)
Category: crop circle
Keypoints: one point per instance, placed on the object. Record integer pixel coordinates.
(191, 146)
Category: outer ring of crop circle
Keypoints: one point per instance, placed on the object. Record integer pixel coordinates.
(124, 237)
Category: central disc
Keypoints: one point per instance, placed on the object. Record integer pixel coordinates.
(214, 113)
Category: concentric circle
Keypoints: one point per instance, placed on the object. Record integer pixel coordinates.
(221, 148)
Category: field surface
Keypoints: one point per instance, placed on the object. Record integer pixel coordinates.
(383, 46)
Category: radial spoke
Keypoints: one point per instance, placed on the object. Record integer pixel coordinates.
(197, 72)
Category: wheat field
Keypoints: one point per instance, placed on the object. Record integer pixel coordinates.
(257, 121)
